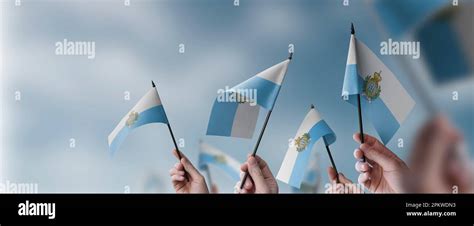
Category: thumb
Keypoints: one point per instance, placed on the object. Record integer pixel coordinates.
(343, 179)
(189, 168)
(332, 174)
(255, 172)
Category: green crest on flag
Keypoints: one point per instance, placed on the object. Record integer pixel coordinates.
(302, 142)
(372, 87)
(132, 118)
(220, 159)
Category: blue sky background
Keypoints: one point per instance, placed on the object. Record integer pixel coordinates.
(67, 97)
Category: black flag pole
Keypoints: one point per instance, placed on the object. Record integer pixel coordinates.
(330, 156)
(359, 108)
(171, 132)
(169, 128)
(256, 146)
(261, 135)
(332, 163)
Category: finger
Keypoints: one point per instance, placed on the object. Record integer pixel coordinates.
(370, 140)
(255, 172)
(242, 175)
(358, 154)
(237, 187)
(362, 167)
(364, 179)
(343, 179)
(175, 153)
(188, 167)
(179, 166)
(244, 167)
(177, 178)
(332, 174)
(248, 184)
(382, 156)
(174, 171)
(374, 150)
(264, 167)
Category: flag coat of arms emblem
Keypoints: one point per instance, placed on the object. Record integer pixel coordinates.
(385, 102)
(148, 110)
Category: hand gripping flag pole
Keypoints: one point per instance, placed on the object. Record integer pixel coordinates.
(261, 134)
(359, 109)
(172, 135)
(330, 156)
(314, 127)
(388, 103)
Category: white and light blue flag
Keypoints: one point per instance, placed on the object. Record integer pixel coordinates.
(235, 111)
(148, 110)
(211, 155)
(294, 164)
(383, 99)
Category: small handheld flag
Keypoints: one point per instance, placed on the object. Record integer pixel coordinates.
(296, 159)
(211, 155)
(149, 109)
(237, 116)
(386, 103)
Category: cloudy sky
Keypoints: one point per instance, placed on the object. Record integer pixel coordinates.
(73, 97)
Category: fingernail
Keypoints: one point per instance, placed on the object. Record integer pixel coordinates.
(252, 161)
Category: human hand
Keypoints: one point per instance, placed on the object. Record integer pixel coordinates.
(438, 163)
(344, 186)
(260, 179)
(383, 171)
(214, 189)
(185, 178)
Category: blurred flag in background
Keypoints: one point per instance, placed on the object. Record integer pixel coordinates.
(445, 33)
(211, 155)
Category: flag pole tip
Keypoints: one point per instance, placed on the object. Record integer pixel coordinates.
(291, 56)
(153, 84)
(352, 29)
